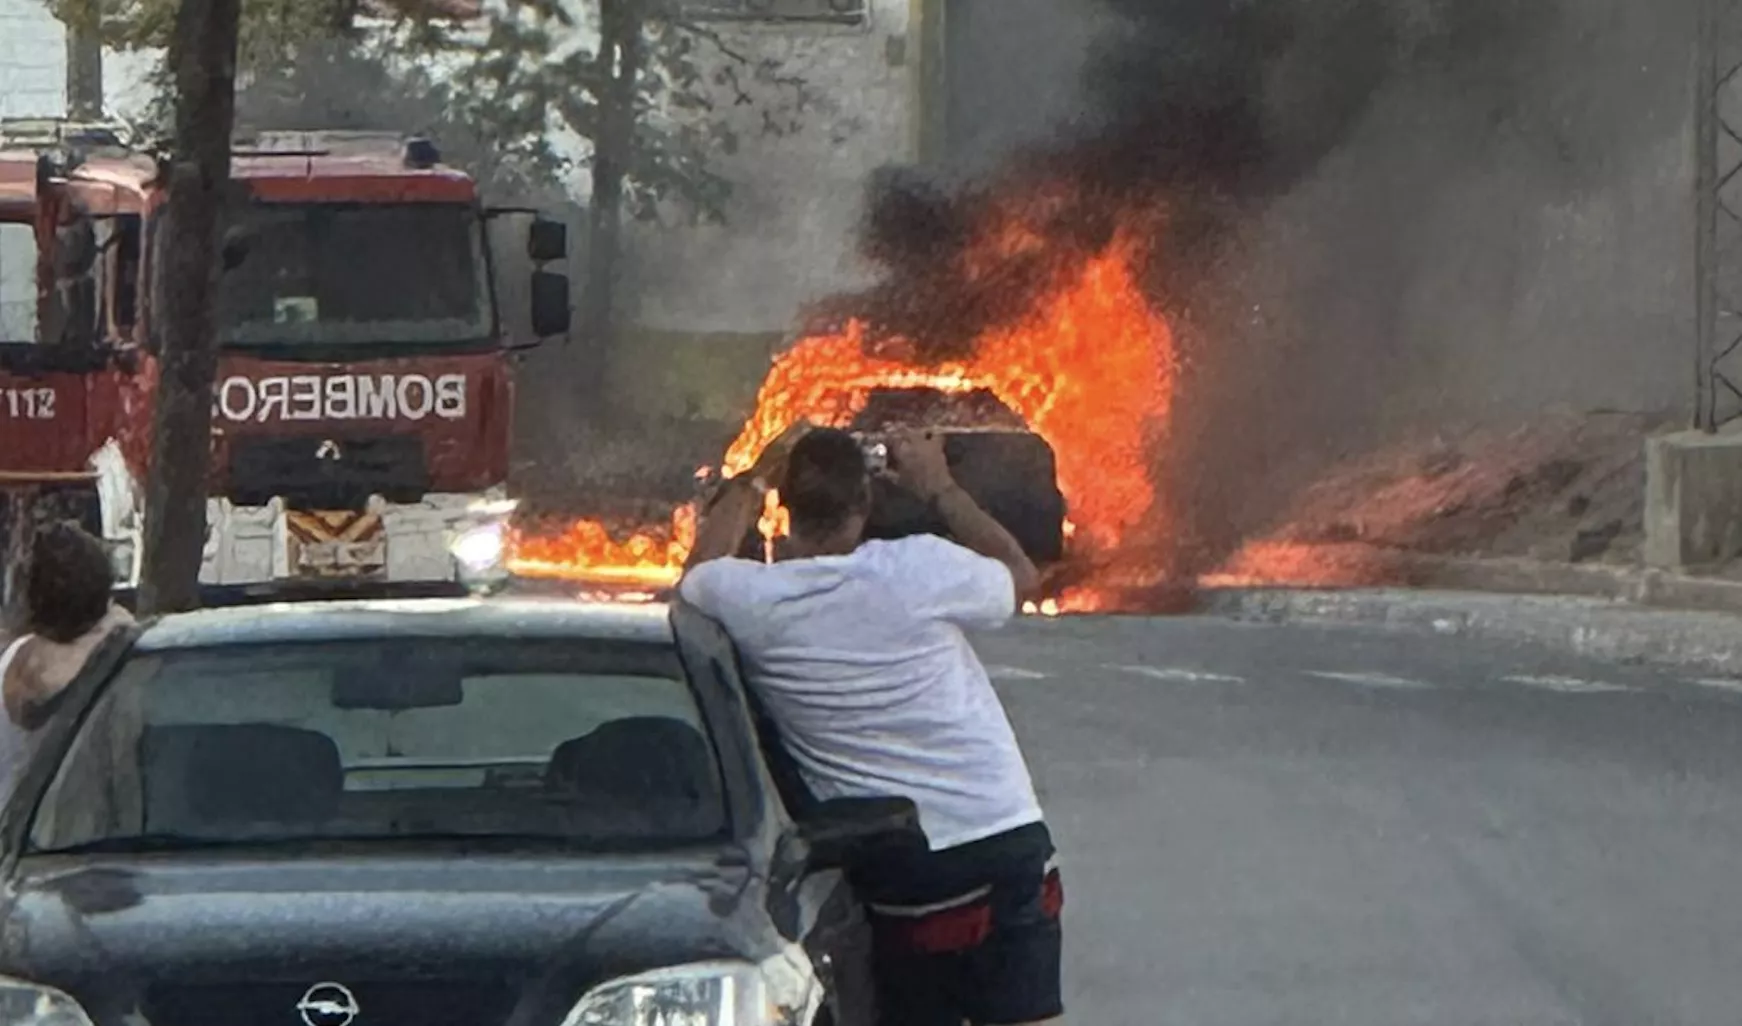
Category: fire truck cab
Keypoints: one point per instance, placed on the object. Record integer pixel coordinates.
(363, 406)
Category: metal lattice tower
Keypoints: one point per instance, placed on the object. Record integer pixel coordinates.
(1718, 258)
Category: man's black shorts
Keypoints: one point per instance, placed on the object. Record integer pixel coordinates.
(969, 934)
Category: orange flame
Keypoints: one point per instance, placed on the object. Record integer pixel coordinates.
(774, 523)
(590, 551)
(1090, 367)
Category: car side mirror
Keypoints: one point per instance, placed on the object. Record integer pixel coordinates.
(547, 240)
(838, 829)
(550, 304)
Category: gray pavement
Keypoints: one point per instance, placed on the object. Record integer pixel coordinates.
(1318, 825)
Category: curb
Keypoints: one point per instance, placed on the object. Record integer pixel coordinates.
(1600, 628)
(1369, 567)
(1650, 588)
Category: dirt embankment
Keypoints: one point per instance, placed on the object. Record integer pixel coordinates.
(1565, 489)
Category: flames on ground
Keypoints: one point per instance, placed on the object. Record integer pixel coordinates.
(1058, 328)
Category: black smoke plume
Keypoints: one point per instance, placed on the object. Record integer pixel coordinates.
(1377, 215)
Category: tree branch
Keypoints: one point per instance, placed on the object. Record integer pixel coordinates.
(713, 36)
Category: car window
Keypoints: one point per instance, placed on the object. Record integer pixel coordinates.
(381, 740)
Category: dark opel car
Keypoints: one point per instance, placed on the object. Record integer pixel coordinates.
(424, 813)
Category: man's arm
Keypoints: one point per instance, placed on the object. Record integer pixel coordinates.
(734, 511)
(738, 505)
(918, 459)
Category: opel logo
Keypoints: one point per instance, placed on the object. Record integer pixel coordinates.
(328, 1004)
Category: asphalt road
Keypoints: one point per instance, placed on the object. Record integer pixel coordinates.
(1281, 825)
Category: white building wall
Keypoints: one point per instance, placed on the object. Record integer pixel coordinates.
(33, 66)
(32, 60)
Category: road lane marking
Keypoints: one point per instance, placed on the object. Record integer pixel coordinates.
(1014, 673)
(1568, 685)
(1177, 676)
(1372, 680)
(1722, 684)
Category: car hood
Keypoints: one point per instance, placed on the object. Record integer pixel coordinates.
(109, 929)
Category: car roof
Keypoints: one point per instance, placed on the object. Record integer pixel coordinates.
(553, 618)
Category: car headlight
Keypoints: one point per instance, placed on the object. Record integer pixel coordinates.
(481, 549)
(29, 1004)
(704, 994)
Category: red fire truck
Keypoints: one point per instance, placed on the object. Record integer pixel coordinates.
(363, 406)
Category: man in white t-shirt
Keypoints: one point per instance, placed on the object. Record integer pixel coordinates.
(856, 649)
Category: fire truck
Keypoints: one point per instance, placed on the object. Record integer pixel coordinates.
(363, 407)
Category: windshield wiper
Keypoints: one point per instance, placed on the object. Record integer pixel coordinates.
(579, 844)
(480, 837)
(140, 844)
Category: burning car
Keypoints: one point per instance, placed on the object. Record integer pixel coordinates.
(1009, 470)
(1052, 407)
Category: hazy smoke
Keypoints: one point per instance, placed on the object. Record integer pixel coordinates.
(1174, 101)
(1382, 214)
(1400, 213)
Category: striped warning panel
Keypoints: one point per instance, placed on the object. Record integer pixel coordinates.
(336, 543)
(333, 525)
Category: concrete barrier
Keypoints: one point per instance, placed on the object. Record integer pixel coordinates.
(1693, 500)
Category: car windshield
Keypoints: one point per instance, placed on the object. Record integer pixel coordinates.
(356, 273)
(450, 738)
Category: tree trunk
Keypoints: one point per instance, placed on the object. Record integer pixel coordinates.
(84, 78)
(621, 24)
(203, 58)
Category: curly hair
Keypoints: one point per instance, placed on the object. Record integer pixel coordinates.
(69, 583)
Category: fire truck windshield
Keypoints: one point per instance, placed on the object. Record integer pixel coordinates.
(306, 273)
